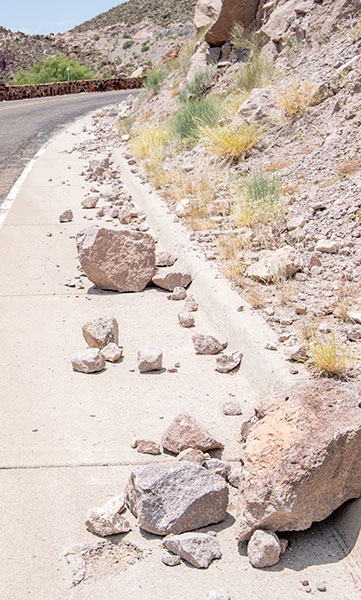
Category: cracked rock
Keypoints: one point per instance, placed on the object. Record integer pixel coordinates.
(149, 359)
(264, 549)
(199, 549)
(90, 360)
(107, 520)
(185, 432)
(228, 362)
(207, 344)
(101, 331)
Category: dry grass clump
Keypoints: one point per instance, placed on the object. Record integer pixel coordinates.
(260, 202)
(258, 72)
(151, 142)
(309, 330)
(230, 142)
(230, 245)
(233, 102)
(277, 165)
(234, 270)
(256, 297)
(294, 97)
(331, 356)
(124, 125)
(286, 288)
(345, 299)
(348, 166)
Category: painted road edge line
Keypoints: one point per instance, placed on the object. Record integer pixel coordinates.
(9, 200)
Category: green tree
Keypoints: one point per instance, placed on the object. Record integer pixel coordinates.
(53, 69)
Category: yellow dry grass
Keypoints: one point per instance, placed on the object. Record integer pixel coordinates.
(330, 356)
(294, 97)
(150, 142)
(230, 142)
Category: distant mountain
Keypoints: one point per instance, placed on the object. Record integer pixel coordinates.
(116, 42)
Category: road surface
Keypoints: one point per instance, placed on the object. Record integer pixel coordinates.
(26, 124)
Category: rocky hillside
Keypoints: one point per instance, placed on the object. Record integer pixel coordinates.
(114, 43)
(259, 152)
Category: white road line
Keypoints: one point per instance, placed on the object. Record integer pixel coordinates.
(9, 200)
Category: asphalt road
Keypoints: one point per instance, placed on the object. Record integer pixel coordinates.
(25, 125)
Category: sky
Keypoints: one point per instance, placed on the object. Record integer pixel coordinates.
(45, 16)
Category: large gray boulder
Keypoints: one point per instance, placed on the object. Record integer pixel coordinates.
(301, 458)
(176, 497)
(120, 260)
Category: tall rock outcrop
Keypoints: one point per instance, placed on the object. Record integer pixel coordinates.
(232, 11)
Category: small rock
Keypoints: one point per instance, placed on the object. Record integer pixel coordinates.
(273, 263)
(228, 362)
(164, 259)
(186, 319)
(182, 207)
(207, 344)
(354, 316)
(169, 278)
(199, 549)
(147, 447)
(101, 331)
(112, 353)
(299, 353)
(235, 477)
(49, 234)
(66, 216)
(322, 587)
(106, 520)
(293, 371)
(179, 293)
(264, 549)
(327, 246)
(185, 432)
(218, 595)
(284, 545)
(150, 359)
(314, 261)
(171, 560)
(190, 304)
(218, 467)
(301, 309)
(90, 360)
(192, 455)
(232, 407)
(90, 202)
(270, 346)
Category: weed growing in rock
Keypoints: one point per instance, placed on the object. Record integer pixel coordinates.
(331, 356)
(199, 85)
(154, 79)
(194, 114)
(124, 125)
(260, 201)
(230, 142)
(294, 98)
(257, 73)
(151, 141)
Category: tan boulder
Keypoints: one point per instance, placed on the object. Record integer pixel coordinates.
(301, 457)
(169, 278)
(206, 12)
(101, 331)
(243, 11)
(118, 260)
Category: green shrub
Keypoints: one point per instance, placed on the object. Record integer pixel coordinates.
(154, 79)
(128, 44)
(195, 114)
(263, 187)
(257, 73)
(124, 125)
(199, 85)
(53, 69)
(126, 36)
(260, 201)
(145, 48)
(96, 37)
(253, 42)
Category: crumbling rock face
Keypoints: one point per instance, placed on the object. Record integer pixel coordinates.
(301, 458)
(176, 497)
(118, 260)
(243, 11)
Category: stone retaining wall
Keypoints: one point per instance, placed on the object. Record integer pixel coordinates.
(18, 92)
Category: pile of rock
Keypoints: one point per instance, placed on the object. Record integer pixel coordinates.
(102, 337)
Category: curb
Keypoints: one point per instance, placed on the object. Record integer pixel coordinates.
(265, 371)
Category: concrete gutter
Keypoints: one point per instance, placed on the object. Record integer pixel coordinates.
(265, 371)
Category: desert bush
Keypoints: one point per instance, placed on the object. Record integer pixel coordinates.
(253, 41)
(194, 114)
(330, 356)
(124, 125)
(181, 62)
(53, 69)
(151, 142)
(145, 48)
(231, 142)
(256, 73)
(260, 201)
(154, 78)
(294, 97)
(199, 85)
(128, 44)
